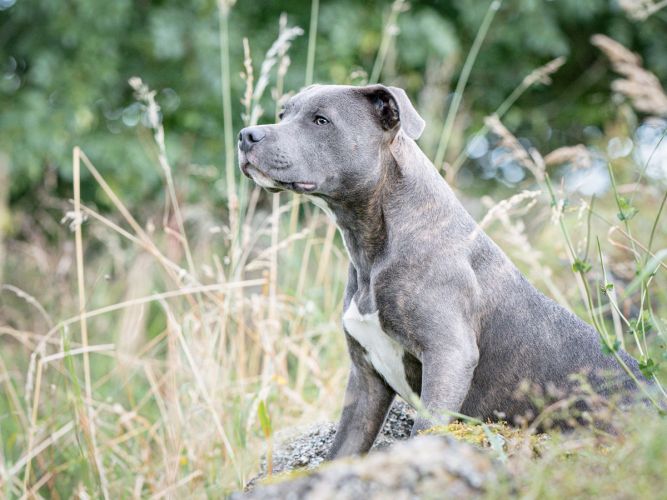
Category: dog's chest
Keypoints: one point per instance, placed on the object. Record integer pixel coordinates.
(382, 351)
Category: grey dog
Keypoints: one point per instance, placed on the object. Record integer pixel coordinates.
(433, 307)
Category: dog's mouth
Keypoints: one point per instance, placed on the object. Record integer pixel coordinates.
(274, 185)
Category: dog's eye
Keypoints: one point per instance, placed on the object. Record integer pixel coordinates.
(281, 114)
(320, 120)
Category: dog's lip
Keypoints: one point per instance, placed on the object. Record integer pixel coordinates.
(245, 164)
(307, 187)
(301, 186)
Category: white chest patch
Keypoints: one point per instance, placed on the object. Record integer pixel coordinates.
(383, 352)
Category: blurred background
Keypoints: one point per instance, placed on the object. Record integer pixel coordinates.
(65, 68)
(211, 308)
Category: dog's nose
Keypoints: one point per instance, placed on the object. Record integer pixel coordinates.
(250, 136)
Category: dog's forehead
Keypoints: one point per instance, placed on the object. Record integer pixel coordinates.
(324, 96)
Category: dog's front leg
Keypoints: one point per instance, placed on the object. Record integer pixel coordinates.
(367, 400)
(447, 371)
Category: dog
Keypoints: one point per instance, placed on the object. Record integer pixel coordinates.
(433, 308)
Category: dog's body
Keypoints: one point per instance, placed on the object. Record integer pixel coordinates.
(432, 306)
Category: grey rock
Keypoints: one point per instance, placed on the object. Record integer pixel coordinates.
(309, 448)
(423, 467)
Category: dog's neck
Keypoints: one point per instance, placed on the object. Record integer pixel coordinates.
(362, 220)
(367, 215)
(364, 231)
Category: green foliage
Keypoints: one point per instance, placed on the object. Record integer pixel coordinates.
(648, 368)
(626, 210)
(65, 68)
(581, 266)
(610, 348)
(641, 323)
(627, 465)
(264, 419)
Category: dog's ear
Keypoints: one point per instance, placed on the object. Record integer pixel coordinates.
(395, 109)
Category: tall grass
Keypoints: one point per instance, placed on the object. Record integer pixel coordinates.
(174, 415)
(448, 127)
(248, 320)
(312, 41)
(4, 209)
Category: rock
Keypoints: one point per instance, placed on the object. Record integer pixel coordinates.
(309, 448)
(398, 424)
(423, 467)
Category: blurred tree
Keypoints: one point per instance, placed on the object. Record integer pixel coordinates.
(64, 68)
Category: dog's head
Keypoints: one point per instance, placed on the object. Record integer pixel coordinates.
(329, 141)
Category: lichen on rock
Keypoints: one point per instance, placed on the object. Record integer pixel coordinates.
(427, 466)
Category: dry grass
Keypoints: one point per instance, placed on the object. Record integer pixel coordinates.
(169, 413)
(641, 10)
(541, 75)
(638, 84)
(578, 156)
(171, 408)
(4, 209)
